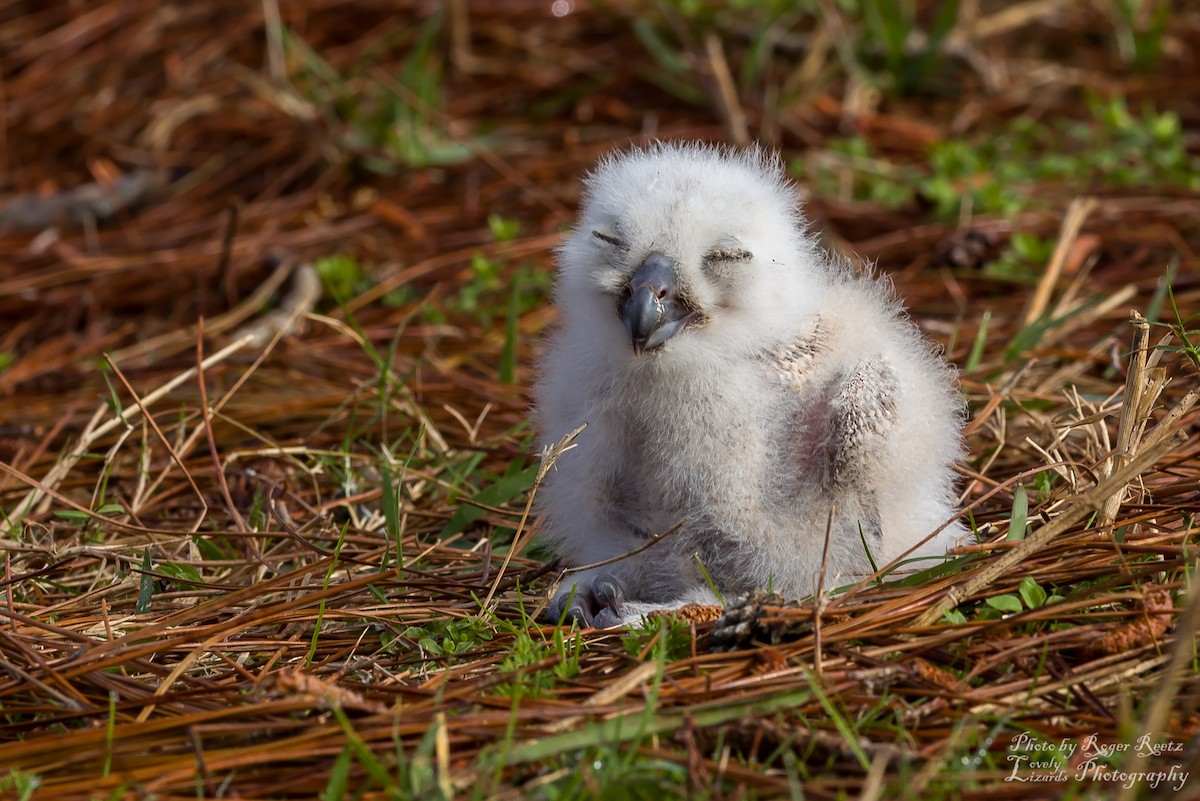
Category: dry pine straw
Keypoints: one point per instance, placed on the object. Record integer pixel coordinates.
(226, 674)
(223, 680)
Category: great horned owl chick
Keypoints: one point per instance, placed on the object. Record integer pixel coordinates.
(736, 382)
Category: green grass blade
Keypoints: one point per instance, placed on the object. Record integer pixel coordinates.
(980, 342)
(1019, 521)
(503, 490)
(145, 587)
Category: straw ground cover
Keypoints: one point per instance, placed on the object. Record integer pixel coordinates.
(272, 284)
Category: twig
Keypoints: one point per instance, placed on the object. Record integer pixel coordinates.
(653, 540)
(1131, 424)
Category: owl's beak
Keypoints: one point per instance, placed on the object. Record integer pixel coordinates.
(652, 312)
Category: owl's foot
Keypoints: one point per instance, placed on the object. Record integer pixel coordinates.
(597, 602)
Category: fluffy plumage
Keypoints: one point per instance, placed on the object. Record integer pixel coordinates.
(736, 380)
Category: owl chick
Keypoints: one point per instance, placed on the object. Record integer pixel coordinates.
(743, 391)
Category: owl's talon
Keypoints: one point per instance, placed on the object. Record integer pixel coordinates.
(579, 611)
(597, 604)
(606, 619)
(609, 593)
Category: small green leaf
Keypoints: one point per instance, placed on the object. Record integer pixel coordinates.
(1032, 594)
(1005, 603)
(504, 229)
(954, 616)
(181, 571)
(341, 276)
(1044, 482)
(210, 549)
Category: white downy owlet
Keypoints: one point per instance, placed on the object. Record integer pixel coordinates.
(737, 383)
